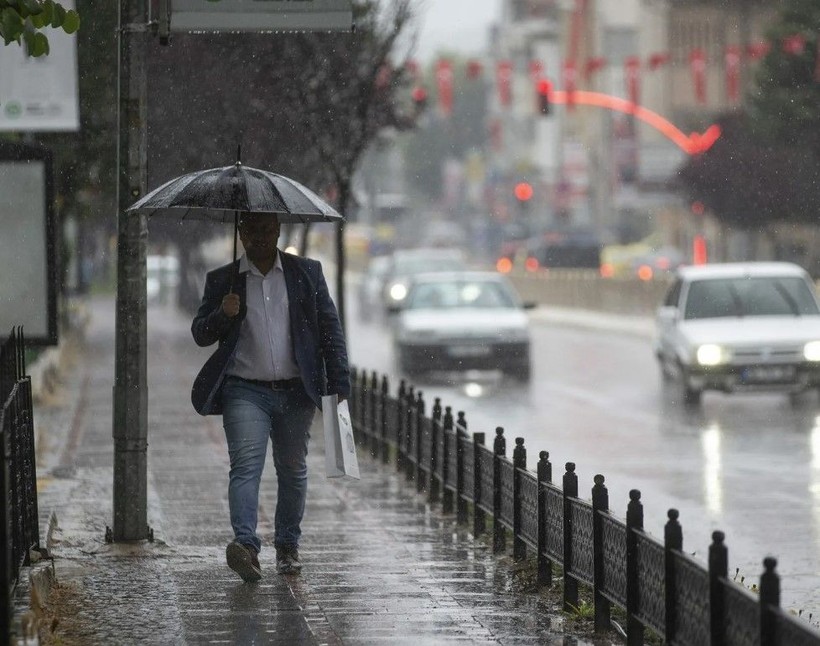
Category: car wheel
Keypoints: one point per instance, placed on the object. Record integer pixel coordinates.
(691, 396)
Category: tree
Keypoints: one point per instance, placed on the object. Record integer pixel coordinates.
(22, 22)
(785, 106)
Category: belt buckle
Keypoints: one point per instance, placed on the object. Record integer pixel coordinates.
(274, 388)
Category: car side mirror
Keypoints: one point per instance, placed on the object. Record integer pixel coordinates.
(667, 314)
(529, 305)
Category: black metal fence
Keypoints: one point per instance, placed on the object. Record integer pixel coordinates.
(19, 532)
(657, 585)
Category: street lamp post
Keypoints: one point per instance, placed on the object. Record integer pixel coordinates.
(130, 419)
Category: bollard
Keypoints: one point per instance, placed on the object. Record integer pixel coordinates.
(544, 476)
(570, 583)
(499, 451)
(434, 487)
(718, 569)
(421, 476)
(519, 462)
(634, 521)
(461, 503)
(600, 505)
(769, 601)
(479, 517)
(409, 431)
(672, 541)
(383, 396)
(446, 431)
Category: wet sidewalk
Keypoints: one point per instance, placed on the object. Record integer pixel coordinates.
(380, 565)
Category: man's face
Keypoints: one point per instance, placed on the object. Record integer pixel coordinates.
(259, 234)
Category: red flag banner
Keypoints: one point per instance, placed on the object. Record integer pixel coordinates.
(444, 81)
(794, 44)
(474, 69)
(697, 62)
(658, 59)
(570, 78)
(632, 73)
(732, 59)
(593, 65)
(756, 51)
(504, 72)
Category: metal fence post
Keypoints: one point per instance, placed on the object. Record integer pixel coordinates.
(634, 521)
(461, 503)
(769, 599)
(363, 412)
(400, 421)
(479, 517)
(499, 451)
(519, 462)
(600, 505)
(570, 583)
(421, 479)
(6, 613)
(354, 396)
(373, 406)
(672, 540)
(544, 476)
(434, 485)
(383, 420)
(447, 494)
(718, 569)
(409, 430)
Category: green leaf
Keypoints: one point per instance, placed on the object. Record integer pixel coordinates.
(57, 15)
(72, 22)
(34, 7)
(12, 24)
(36, 44)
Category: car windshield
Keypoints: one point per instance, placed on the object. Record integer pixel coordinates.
(460, 294)
(753, 296)
(420, 264)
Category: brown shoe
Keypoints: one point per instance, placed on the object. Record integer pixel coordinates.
(243, 560)
(287, 559)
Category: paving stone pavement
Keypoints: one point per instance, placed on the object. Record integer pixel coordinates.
(381, 566)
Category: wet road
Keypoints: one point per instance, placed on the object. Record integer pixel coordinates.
(746, 464)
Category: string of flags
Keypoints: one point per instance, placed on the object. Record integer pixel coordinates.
(634, 67)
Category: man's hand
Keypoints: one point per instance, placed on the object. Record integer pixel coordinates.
(230, 305)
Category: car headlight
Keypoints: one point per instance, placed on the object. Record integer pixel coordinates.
(398, 291)
(710, 354)
(812, 351)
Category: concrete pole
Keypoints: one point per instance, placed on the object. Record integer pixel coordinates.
(130, 424)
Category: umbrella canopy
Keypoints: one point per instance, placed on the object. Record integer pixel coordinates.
(219, 194)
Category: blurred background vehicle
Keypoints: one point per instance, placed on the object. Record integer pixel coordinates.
(554, 249)
(371, 285)
(460, 321)
(740, 327)
(406, 263)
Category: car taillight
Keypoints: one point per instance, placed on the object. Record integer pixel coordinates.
(531, 264)
(607, 270)
(504, 265)
(645, 272)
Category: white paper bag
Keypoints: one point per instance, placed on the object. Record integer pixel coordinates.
(340, 448)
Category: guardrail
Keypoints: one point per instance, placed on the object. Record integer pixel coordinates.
(659, 586)
(19, 531)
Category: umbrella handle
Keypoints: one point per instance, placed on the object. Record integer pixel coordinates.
(235, 233)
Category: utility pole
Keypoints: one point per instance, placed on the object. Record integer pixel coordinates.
(130, 423)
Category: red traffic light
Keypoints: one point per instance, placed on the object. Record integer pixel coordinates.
(544, 89)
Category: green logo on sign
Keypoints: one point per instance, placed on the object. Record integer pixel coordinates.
(13, 109)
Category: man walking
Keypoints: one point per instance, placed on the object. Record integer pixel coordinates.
(281, 348)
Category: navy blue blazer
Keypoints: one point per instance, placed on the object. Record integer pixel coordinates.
(318, 341)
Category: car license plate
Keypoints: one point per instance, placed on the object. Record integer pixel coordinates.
(767, 374)
(469, 350)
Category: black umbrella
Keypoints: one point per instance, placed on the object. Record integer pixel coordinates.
(221, 194)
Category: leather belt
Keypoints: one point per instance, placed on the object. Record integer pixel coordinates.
(278, 384)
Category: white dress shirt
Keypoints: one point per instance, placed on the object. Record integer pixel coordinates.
(265, 349)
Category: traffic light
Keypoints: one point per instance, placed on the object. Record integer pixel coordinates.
(419, 96)
(544, 90)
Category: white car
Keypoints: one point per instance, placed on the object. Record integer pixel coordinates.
(460, 321)
(406, 263)
(740, 327)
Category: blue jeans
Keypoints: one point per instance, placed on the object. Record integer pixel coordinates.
(252, 414)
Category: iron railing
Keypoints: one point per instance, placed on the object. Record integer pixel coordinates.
(19, 532)
(659, 586)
